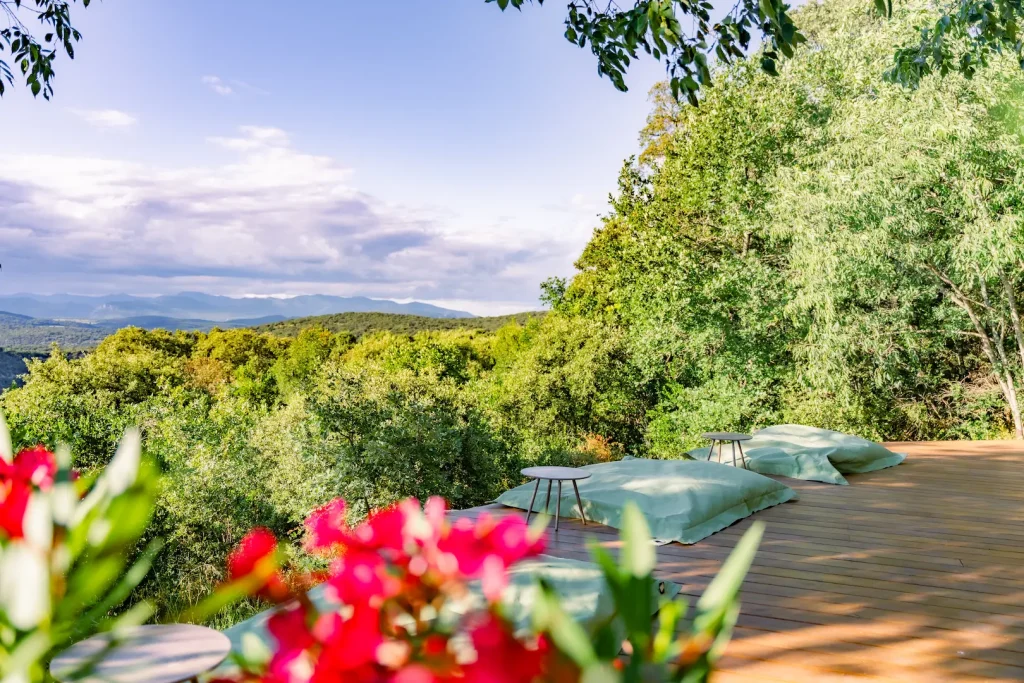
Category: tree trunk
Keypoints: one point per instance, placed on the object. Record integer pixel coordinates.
(996, 353)
(1011, 299)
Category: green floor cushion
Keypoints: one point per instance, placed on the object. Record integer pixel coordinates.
(849, 454)
(683, 500)
(580, 585)
(768, 456)
(584, 594)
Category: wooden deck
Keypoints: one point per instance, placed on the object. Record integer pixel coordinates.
(914, 573)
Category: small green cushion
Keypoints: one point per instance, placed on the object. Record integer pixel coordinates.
(849, 454)
(581, 588)
(808, 453)
(683, 500)
(767, 456)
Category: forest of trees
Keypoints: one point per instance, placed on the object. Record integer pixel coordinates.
(817, 247)
(359, 324)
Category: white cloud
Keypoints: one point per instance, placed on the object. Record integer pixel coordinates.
(272, 220)
(217, 85)
(106, 118)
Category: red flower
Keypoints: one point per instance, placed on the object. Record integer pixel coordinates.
(349, 646)
(14, 495)
(256, 554)
(500, 656)
(35, 465)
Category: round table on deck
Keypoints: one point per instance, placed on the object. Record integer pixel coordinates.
(558, 474)
(159, 653)
(734, 438)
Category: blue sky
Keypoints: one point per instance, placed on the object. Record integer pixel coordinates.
(438, 151)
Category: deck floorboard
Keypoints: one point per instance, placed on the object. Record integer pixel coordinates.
(914, 573)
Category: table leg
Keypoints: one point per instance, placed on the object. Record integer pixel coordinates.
(533, 498)
(719, 451)
(558, 504)
(579, 502)
(734, 454)
(742, 457)
(547, 501)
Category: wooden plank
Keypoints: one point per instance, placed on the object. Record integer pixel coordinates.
(912, 573)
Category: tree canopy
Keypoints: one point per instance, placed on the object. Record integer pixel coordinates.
(821, 247)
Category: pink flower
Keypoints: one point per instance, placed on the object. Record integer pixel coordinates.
(292, 662)
(256, 554)
(485, 549)
(362, 576)
(325, 526)
(385, 529)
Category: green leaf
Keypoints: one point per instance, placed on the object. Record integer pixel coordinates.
(727, 583)
(6, 449)
(570, 638)
(639, 555)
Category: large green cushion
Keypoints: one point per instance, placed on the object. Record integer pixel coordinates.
(683, 500)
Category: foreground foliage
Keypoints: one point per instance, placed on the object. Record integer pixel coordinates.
(70, 551)
(66, 546)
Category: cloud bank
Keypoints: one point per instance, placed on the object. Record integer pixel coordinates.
(271, 220)
(106, 118)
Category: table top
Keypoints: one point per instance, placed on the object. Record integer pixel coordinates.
(552, 472)
(727, 436)
(159, 653)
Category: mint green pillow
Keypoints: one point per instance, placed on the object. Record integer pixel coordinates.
(581, 588)
(683, 500)
(767, 456)
(849, 454)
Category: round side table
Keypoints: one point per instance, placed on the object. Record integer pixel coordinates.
(558, 474)
(733, 438)
(159, 653)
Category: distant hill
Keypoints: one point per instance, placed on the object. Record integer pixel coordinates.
(21, 333)
(154, 322)
(362, 323)
(11, 365)
(205, 307)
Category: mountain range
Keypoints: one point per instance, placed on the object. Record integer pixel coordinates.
(198, 307)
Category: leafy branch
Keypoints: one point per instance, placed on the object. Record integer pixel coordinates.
(33, 57)
(617, 35)
(965, 37)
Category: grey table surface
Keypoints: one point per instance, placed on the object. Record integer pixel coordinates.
(159, 653)
(553, 472)
(727, 436)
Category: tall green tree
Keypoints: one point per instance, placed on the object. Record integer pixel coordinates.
(796, 247)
